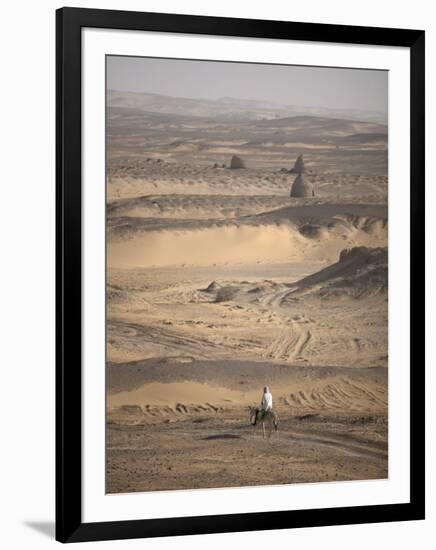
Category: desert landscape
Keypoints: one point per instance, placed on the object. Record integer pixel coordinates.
(219, 283)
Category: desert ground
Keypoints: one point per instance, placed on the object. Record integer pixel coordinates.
(219, 283)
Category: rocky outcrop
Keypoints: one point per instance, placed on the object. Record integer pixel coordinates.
(360, 272)
(213, 287)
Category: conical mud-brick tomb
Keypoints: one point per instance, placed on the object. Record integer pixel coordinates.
(301, 187)
(298, 166)
(237, 162)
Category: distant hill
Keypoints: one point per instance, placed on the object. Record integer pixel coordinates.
(230, 108)
(357, 128)
(368, 138)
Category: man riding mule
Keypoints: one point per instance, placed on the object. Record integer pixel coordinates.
(264, 413)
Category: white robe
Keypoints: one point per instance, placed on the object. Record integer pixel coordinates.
(266, 401)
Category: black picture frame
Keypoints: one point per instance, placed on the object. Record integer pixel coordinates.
(69, 525)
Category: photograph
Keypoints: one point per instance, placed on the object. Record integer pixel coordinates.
(217, 290)
(246, 274)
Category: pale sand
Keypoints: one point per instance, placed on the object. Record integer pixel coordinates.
(219, 283)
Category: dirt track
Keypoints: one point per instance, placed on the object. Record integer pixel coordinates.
(223, 450)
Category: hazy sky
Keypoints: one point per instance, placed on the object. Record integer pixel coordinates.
(289, 85)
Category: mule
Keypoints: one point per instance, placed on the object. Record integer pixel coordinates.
(268, 418)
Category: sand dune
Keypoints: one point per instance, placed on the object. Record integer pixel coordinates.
(221, 314)
(238, 208)
(146, 243)
(157, 400)
(193, 206)
(131, 177)
(219, 283)
(181, 385)
(164, 145)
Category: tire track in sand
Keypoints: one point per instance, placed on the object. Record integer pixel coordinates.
(355, 448)
(292, 339)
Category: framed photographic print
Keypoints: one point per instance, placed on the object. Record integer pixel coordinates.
(240, 275)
